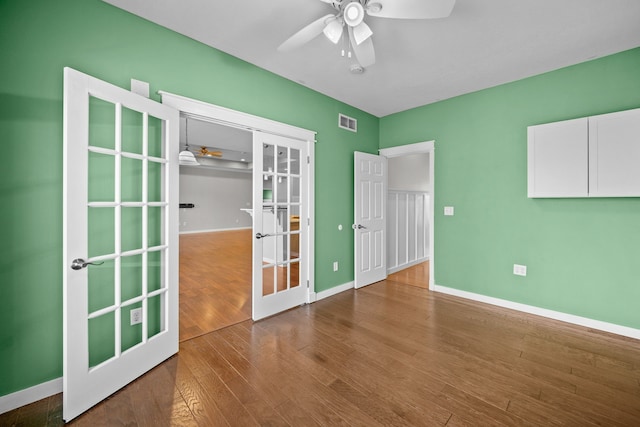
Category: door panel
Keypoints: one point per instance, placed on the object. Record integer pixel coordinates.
(280, 253)
(370, 188)
(120, 218)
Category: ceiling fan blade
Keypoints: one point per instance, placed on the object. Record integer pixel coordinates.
(361, 32)
(305, 35)
(410, 9)
(364, 51)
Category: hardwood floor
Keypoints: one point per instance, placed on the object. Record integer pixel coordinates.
(215, 281)
(386, 354)
(417, 275)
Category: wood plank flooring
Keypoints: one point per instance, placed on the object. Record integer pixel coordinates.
(417, 275)
(215, 281)
(387, 354)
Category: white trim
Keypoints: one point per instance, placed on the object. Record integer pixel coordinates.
(403, 150)
(335, 290)
(407, 265)
(551, 314)
(214, 230)
(29, 395)
(422, 147)
(234, 118)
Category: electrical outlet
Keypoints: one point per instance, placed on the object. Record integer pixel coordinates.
(335, 266)
(448, 210)
(519, 270)
(136, 316)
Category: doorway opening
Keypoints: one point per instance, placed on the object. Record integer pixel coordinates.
(215, 232)
(294, 146)
(413, 210)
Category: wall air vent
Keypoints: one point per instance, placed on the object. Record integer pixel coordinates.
(347, 123)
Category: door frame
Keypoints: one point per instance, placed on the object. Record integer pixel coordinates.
(427, 147)
(228, 117)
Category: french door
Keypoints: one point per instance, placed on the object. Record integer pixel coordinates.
(120, 238)
(370, 222)
(280, 224)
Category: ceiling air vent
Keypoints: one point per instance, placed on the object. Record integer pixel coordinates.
(346, 122)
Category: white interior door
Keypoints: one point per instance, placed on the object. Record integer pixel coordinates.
(280, 224)
(370, 223)
(120, 238)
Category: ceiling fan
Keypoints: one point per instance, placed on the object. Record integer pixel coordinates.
(205, 152)
(351, 13)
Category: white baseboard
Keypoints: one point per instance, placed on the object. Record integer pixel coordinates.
(333, 291)
(551, 314)
(214, 230)
(29, 395)
(407, 265)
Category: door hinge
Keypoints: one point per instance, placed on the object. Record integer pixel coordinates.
(307, 284)
(308, 221)
(308, 159)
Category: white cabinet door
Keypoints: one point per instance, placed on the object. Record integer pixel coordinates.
(557, 159)
(614, 154)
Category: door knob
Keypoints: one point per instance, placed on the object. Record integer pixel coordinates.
(79, 264)
(260, 235)
(358, 226)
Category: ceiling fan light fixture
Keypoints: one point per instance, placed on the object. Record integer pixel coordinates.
(353, 14)
(187, 158)
(361, 33)
(333, 30)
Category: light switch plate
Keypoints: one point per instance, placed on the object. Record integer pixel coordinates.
(448, 210)
(519, 270)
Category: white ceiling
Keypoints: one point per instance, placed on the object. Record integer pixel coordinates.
(483, 43)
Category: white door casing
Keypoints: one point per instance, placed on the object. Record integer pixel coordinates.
(280, 256)
(225, 116)
(370, 218)
(120, 213)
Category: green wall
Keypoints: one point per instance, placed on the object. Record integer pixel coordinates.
(582, 254)
(40, 37)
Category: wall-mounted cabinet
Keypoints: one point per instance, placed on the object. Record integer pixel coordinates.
(596, 156)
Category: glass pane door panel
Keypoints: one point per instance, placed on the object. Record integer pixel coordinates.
(268, 159)
(283, 189)
(131, 229)
(154, 226)
(101, 284)
(268, 280)
(294, 238)
(131, 131)
(131, 277)
(101, 338)
(294, 161)
(131, 186)
(102, 118)
(155, 138)
(283, 160)
(101, 231)
(155, 270)
(155, 318)
(154, 186)
(294, 274)
(295, 193)
(101, 177)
